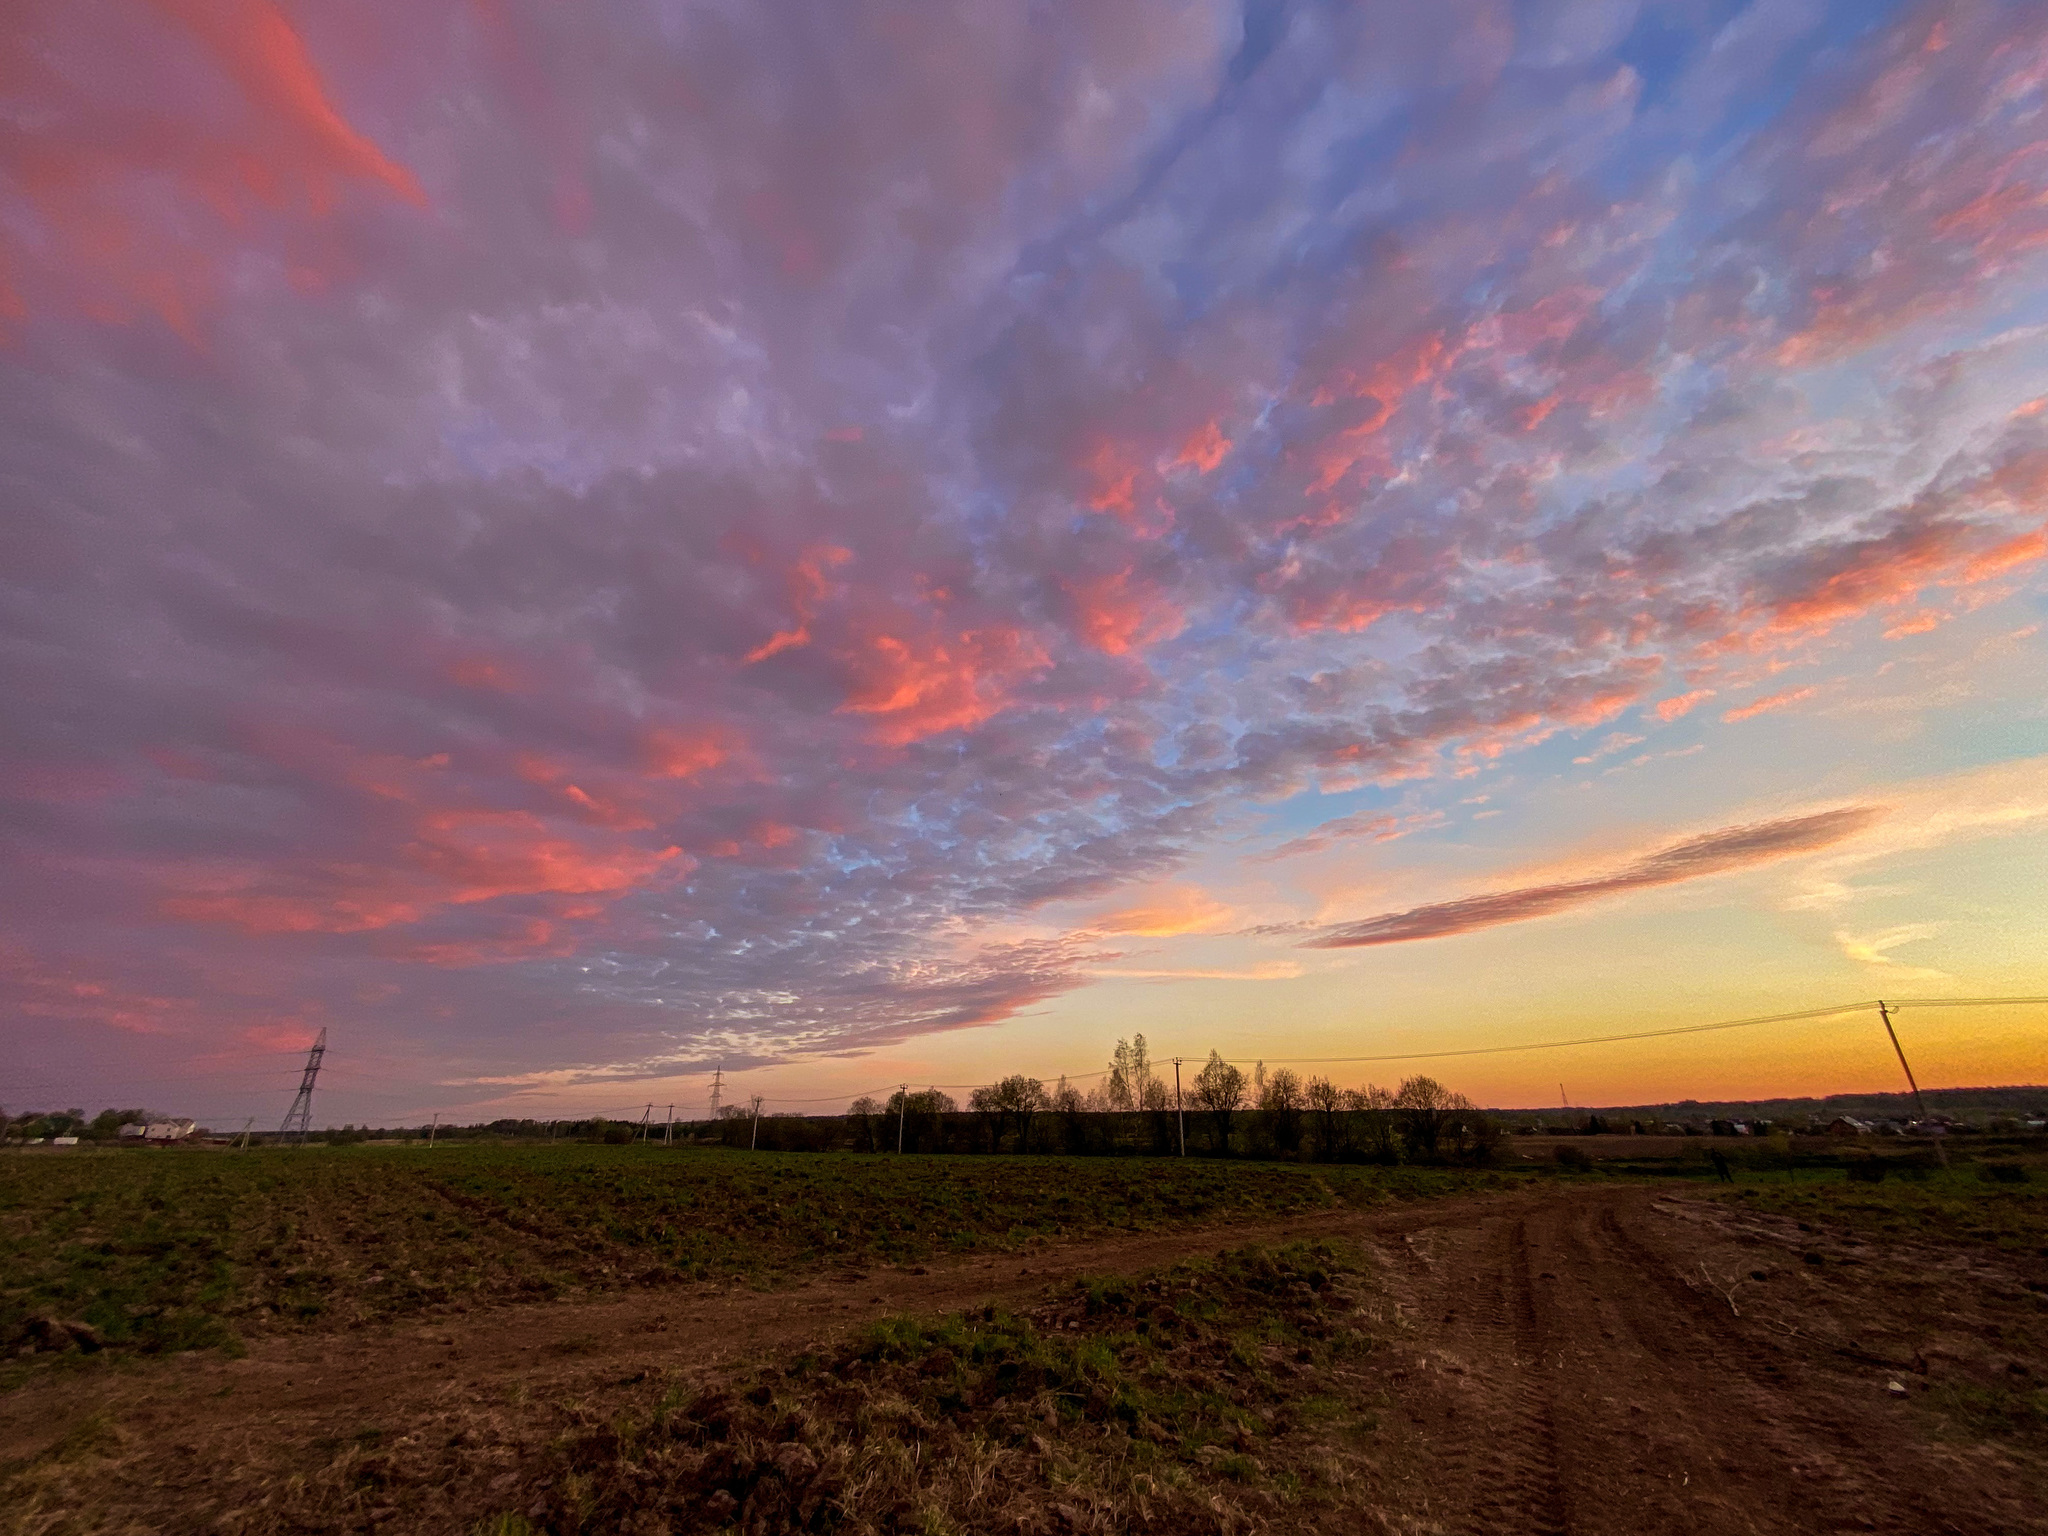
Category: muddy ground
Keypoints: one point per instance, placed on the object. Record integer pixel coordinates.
(1582, 1358)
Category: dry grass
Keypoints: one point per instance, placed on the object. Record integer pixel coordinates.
(1209, 1397)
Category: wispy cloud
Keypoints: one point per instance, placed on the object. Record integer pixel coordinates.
(1712, 853)
(1618, 741)
(1875, 948)
(1178, 910)
(1361, 827)
(1765, 705)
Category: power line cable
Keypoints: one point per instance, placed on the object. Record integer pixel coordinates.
(1795, 1016)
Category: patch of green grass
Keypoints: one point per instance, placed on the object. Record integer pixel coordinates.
(169, 1250)
(1943, 1206)
(1996, 1411)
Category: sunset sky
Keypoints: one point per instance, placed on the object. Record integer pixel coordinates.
(862, 541)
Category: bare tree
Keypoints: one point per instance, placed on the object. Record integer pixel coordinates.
(1140, 1068)
(1072, 1108)
(1326, 1107)
(1159, 1116)
(1219, 1089)
(1280, 1102)
(1374, 1107)
(1427, 1110)
(1116, 1088)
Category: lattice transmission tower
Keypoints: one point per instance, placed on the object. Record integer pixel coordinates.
(298, 1120)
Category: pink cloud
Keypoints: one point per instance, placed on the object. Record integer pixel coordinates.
(278, 146)
(1670, 709)
(1768, 703)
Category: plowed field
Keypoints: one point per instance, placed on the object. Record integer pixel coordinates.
(1586, 1357)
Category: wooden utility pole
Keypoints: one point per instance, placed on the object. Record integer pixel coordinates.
(434, 1129)
(902, 1115)
(646, 1118)
(668, 1132)
(1180, 1113)
(754, 1145)
(1919, 1105)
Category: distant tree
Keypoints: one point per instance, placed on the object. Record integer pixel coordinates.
(1159, 1115)
(1472, 1138)
(927, 1102)
(106, 1125)
(1280, 1104)
(923, 1116)
(988, 1116)
(1427, 1108)
(1018, 1099)
(1219, 1089)
(1324, 1101)
(1117, 1094)
(865, 1113)
(1374, 1108)
(1072, 1108)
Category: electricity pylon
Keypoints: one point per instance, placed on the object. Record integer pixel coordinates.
(298, 1120)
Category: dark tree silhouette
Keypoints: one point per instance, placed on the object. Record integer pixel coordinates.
(1219, 1089)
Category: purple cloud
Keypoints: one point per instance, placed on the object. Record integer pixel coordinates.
(1711, 853)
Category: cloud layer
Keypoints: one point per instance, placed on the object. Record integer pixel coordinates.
(639, 539)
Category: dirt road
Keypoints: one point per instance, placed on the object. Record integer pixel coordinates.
(1617, 1363)
(1581, 1359)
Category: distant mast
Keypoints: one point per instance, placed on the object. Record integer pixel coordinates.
(298, 1120)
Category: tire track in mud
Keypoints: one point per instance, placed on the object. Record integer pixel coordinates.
(1847, 1467)
(1562, 1373)
(1490, 1430)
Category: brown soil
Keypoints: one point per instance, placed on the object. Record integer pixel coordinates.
(1582, 1359)
(1620, 1362)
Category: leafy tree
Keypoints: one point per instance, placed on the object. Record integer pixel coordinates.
(106, 1125)
(922, 1113)
(866, 1113)
(1219, 1089)
(1016, 1099)
(988, 1117)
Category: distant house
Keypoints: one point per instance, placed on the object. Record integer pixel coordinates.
(1846, 1125)
(159, 1130)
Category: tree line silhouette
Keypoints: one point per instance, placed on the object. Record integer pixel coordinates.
(1221, 1111)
